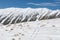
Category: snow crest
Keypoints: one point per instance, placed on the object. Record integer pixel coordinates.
(17, 15)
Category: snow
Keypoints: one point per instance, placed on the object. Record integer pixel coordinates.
(34, 30)
(29, 24)
(18, 15)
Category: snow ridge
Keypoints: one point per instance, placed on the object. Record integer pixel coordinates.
(17, 15)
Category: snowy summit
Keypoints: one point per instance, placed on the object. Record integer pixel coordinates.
(17, 15)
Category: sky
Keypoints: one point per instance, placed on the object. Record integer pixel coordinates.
(51, 4)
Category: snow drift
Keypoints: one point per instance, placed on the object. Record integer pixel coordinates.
(17, 15)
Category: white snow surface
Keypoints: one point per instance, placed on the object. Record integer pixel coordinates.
(17, 15)
(29, 24)
(37, 30)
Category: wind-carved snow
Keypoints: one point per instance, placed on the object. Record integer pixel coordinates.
(17, 15)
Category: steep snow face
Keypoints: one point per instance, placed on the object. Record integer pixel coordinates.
(16, 15)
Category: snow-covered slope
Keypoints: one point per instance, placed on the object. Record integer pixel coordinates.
(33, 26)
(38, 30)
(17, 15)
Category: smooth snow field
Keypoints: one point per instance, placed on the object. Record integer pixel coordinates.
(37, 30)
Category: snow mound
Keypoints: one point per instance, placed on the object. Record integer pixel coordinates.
(17, 15)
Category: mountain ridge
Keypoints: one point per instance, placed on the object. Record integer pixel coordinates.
(17, 15)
